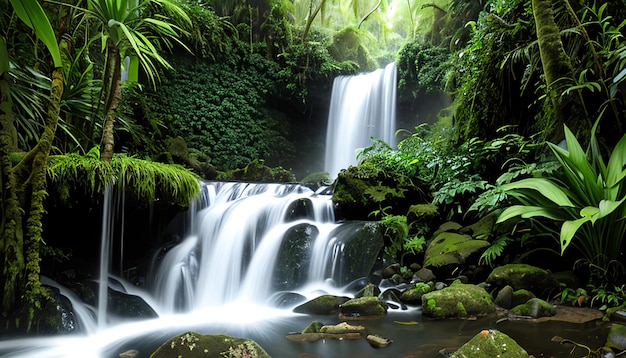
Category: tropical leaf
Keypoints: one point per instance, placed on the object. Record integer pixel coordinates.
(31, 13)
(546, 188)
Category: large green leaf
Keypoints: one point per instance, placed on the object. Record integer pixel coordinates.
(31, 13)
(616, 168)
(526, 212)
(545, 187)
(569, 229)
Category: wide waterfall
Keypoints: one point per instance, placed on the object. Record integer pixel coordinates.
(361, 107)
(242, 233)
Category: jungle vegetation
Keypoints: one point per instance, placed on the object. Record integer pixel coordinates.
(147, 92)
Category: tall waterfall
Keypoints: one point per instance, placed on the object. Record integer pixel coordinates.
(361, 107)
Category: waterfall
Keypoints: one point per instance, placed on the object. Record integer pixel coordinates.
(243, 235)
(361, 107)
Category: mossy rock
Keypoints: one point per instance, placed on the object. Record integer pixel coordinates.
(313, 327)
(322, 305)
(507, 298)
(457, 300)
(489, 344)
(414, 295)
(192, 345)
(367, 187)
(534, 307)
(363, 306)
(523, 276)
(449, 248)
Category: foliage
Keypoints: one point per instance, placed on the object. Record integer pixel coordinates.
(422, 69)
(587, 197)
(223, 112)
(145, 181)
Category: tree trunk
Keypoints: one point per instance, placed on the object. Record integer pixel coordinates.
(24, 188)
(11, 234)
(557, 71)
(113, 97)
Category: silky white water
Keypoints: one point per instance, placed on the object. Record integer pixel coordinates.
(361, 107)
(221, 272)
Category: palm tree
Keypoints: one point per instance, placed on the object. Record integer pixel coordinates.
(24, 183)
(128, 28)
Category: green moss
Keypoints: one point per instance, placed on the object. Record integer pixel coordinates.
(348, 45)
(192, 345)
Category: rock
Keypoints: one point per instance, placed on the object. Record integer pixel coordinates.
(313, 327)
(312, 337)
(192, 345)
(378, 342)
(507, 298)
(616, 338)
(392, 297)
(391, 270)
(414, 295)
(131, 353)
(447, 226)
(322, 305)
(362, 242)
(523, 276)
(458, 300)
(294, 257)
(482, 229)
(535, 307)
(448, 248)
(285, 299)
(489, 344)
(341, 328)
(368, 291)
(363, 306)
(424, 275)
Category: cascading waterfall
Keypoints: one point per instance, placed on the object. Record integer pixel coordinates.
(361, 107)
(231, 254)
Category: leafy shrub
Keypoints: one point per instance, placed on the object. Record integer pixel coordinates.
(588, 196)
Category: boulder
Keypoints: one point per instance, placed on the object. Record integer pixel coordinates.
(192, 344)
(342, 328)
(523, 276)
(507, 298)
(449, 248)
(290, 268)
(457, 300)
(322, 305)
(534, 307)
(414, 296)
(489, 344)
(363, 306)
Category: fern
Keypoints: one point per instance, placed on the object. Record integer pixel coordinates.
(494, 251)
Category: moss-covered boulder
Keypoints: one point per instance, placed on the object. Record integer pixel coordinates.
(489, 344)
(322, 305)
(414, 295)
(450, 248)
(342, 328)
(192, 345)
(507, 298)
(367, 187)
(534, 307)
(363, 306)
(457, 300)
(348, 45)
(291, 265)
(523, 276)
